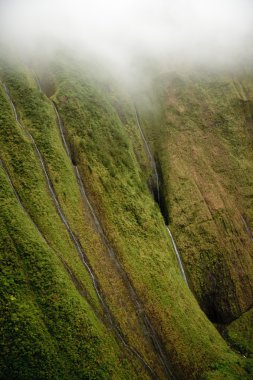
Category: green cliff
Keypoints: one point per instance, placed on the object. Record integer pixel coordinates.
(91, 286)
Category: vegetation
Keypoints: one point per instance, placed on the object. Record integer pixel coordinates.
(240, 333)
(57, 315)
(26, 174)
(43, 127)
(47, 329)
(132, 220)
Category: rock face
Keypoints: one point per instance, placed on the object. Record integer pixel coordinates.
(91, 286)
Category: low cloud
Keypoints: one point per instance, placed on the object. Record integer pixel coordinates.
(127, 33)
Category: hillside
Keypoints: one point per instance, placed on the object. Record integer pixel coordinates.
(91, 285)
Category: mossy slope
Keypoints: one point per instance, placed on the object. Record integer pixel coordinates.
(204, 148)
(47, 329)
(103, 149)
(107, 148)
(25, 172)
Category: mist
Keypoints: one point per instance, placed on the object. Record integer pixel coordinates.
(127, 35)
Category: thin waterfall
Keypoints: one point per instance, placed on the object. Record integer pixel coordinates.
(249, 233)
(153, 165)
(150, 155)
(178, 256)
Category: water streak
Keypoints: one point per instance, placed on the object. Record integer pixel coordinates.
(150, 155)
(153, 164)
(247, 228)
(178, 257)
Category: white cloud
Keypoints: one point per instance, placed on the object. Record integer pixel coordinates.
(121, 31)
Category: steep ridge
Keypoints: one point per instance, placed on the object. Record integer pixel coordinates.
(149, 332)
(126, 302)
(35, 295)
(141, 313)
(144, 321)
(29, 180)
(78, 246)
(57, 205)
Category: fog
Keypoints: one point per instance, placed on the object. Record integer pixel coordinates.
(127, 35)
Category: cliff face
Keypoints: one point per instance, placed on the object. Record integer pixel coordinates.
(203, 140)
(91, 281)
(204, 148)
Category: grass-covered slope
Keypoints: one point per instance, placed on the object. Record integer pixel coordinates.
(40, 120)
(43, 271)
(47, 329)
(71, 335)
